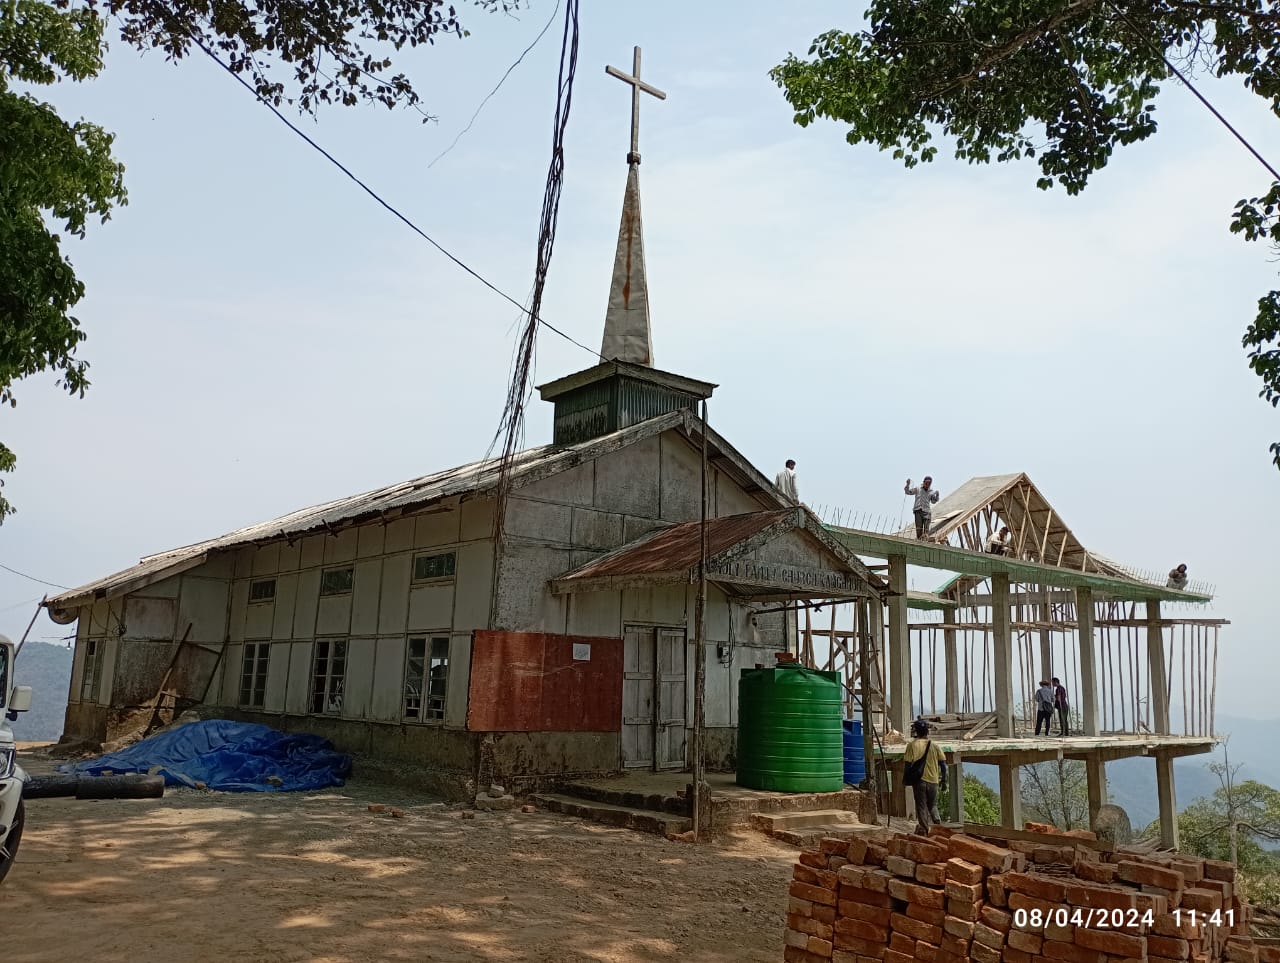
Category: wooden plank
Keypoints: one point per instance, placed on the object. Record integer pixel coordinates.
(986, 721)
(983, 831)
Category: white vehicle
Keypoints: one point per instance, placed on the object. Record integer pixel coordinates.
(13, 699)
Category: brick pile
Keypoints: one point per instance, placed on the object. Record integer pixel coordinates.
(946, 898)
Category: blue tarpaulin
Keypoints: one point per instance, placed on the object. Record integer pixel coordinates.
(229, 757)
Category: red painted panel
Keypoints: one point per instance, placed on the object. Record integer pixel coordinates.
(531, 682)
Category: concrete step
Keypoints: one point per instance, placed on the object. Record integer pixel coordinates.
(776, 822)
(643, 820)
(656, 802)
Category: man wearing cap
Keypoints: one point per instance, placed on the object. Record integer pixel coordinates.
(935, 768)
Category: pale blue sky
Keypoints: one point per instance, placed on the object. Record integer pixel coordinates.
(263, 336)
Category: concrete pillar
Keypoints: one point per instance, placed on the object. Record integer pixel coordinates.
(1168, 801)
(1003, 654)
(1096, 774)
(1156, 670)
(955, 787)
(953, 670)
(1010, 795)
(899, 647)
(1046, 637)
(1087, 697)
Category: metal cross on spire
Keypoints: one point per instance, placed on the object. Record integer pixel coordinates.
(637, 85)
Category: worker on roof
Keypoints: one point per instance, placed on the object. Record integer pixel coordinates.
(1177, 577)
(786, 482)
(923, 508)
(998, 543)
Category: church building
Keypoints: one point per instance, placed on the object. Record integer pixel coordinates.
(401, 624)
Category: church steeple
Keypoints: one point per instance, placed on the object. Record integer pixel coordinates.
(627, 335)
(625, 388)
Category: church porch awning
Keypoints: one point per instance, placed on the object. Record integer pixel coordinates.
(773, 555)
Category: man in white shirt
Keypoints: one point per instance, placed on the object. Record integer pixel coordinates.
(923, 508)
(786, 481)
(998, 543)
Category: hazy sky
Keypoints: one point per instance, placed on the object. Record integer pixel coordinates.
(263, 336)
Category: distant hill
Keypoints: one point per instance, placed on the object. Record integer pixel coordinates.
(47, 669)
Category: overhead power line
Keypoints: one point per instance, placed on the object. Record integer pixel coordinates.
(1199, 96)
(386, 204)
(498, 86)
(32, 577)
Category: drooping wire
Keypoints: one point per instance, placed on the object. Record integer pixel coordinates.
(32, 577)
(511, 426)
(498, 86)
(533, 317)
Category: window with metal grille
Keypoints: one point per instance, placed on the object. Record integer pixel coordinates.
(328, 676)
(253, 673)
(92, 670)
(335, 581)
(434, 566)
(426, 678)
(263, 590)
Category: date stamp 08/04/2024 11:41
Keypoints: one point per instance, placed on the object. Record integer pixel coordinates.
(1120, 918)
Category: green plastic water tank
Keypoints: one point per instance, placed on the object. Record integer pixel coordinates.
(789, 730)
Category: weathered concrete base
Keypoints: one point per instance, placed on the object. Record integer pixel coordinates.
(641, 820)
(721, 749)
(730, 804)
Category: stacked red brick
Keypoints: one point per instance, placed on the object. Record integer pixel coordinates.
(950, 898)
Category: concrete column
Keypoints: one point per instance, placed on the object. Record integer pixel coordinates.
(1010, 795)
(1087, 697)
(1168, 801)
(955, 787)
(1157, 672)
(1096, 774)
(899, 647)
(1046, 638)
(953, 670)
(1003, 654)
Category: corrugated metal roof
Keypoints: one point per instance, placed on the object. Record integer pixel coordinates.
(677, 547)
(476, 478)
(473, 478)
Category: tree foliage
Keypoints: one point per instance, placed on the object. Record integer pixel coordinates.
(981, 804)
(1063, 82)
(1056, 793)
(50, 169)
(332, 52)
(59, 175)
(1235, 822)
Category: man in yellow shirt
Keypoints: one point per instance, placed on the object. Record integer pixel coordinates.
(926, 787)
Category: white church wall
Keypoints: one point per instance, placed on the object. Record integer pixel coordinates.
(681, 472)
(284, 606)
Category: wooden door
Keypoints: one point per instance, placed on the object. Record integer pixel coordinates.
(671, 732)
(638, 703)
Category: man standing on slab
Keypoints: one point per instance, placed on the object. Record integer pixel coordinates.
(1060, 703)
(923, 508)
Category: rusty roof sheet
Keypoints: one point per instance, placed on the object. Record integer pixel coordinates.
(676, 548)
(476, 478)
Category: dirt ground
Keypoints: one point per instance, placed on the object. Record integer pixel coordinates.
(314, 876)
